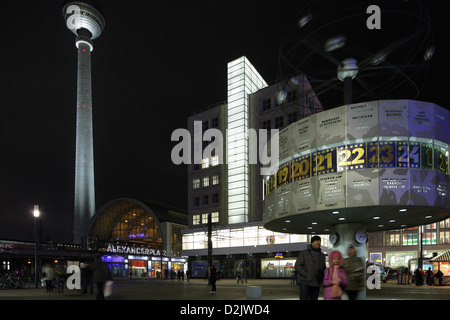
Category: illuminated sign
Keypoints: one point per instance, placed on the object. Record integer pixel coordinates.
(379, 154)
(278, 255)
(134, 250)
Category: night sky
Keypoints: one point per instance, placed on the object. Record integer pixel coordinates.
(152, 68)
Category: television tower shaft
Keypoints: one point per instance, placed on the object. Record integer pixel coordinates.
(84, 205)
(85, 19)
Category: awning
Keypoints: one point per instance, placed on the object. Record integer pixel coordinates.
(443, 257)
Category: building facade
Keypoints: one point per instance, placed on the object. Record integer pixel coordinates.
(227, 185)
(139, 238)
(400, 247)
(135, 238)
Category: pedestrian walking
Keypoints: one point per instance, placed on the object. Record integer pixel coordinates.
(429, 277)
(419, 276)
(100, 274)
(243, 276)
(213, 278)
(86, 279)
(310, 266)
(354, 270)
(60, 278)
(440, 276)
(188, 274)
(48, 275)
(335, 279)
(294, 278)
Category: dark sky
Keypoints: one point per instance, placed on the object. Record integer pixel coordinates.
(153, 67)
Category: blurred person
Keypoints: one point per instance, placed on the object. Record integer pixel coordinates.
(48, 275)
(335, 279)
(354, 270)
(100, 274)
(213, 278)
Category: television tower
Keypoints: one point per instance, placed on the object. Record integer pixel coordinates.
(85, 20)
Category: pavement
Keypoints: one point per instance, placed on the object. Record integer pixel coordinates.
(227, 289)
(173, 299)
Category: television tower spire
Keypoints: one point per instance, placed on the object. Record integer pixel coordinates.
(85, 20)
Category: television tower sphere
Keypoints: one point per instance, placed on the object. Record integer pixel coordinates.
(84, 18)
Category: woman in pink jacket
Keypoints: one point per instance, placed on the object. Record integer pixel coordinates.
(335, 278)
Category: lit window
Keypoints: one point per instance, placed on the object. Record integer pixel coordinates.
(205, 182)
(215, 161)
(205, 163)
(196, 219)
(196, 183)
(214, 217)
(215, 180)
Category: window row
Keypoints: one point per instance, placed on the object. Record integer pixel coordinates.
(289, 96)
(205, 182)
(210, 124)
(412, 239)
(247, 236)
(279, 122)
(198, 219)
(206, 200)
(207, 162)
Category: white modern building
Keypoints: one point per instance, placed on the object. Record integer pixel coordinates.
(226, 183)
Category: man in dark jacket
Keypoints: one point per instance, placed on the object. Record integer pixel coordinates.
(310, 266)
(100, 274)
(213, 278)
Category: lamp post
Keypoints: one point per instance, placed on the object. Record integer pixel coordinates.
(36, 216)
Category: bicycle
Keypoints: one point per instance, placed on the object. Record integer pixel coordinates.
(14, 282)
(3, 282)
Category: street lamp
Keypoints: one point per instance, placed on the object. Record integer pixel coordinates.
(36, 216)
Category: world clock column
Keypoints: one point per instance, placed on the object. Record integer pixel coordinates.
(345, 235)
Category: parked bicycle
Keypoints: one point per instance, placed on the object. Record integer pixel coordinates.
(14, 282)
